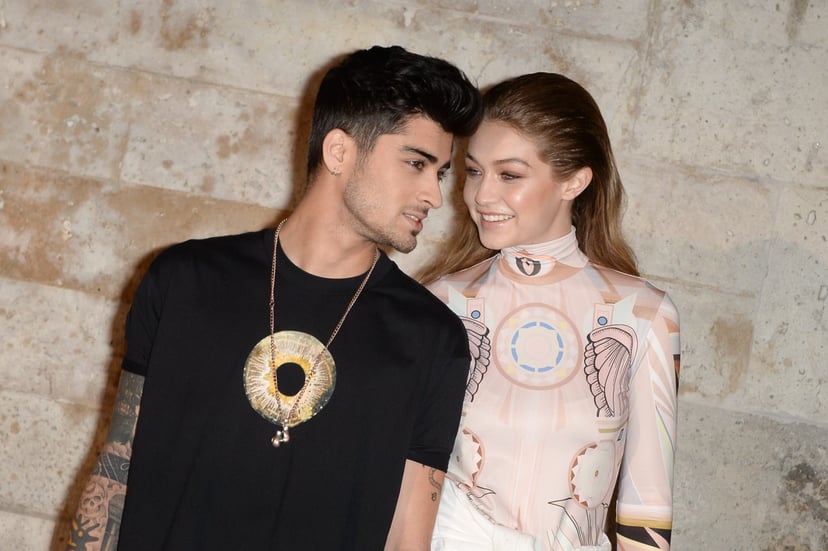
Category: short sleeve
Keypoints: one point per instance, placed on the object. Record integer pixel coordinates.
(143, 319)
(439, 417)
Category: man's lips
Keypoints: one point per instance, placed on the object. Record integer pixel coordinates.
(416, 219)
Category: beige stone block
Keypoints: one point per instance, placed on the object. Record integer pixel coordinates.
(748, 482)
(76, 28)
(491, 51)
(742, 104)
(253, 45)
(267, 46)
(716, 338)
(807, 23)
(746, 23)
(44, 445)
(698, 226)
(56, 342)
(99, 237)
(790, 351)
(218, 142)
(62, 113)
(20, 532)
(614, 19)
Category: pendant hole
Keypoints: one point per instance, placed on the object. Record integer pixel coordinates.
(291, 378)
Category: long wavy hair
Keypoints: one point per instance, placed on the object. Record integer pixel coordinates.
(566, 125)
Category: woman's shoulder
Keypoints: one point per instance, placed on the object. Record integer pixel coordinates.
(624, 285)
(462, 279)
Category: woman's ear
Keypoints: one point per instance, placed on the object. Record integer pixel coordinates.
(577, 183)
(337, 150)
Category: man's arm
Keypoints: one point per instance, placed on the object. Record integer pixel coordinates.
(416, 508)
(97, 520)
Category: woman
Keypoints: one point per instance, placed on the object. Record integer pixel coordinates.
(575, 358)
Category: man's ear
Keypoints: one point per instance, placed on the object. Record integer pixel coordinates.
(577, 183)
(338, 151)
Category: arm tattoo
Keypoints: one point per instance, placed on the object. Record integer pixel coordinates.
(97, 520)
(433, 481)
(112, 467)
(125, 416)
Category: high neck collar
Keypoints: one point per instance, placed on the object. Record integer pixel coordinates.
(537, 261)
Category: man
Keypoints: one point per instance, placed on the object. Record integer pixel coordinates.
(293, 389)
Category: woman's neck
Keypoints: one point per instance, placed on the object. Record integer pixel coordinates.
(540, 259)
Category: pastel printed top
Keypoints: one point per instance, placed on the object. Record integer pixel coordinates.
(574, 368)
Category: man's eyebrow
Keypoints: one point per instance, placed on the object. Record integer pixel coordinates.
(429, 157)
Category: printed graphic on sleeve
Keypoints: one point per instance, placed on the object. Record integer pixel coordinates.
(480, 348)
(607, 360)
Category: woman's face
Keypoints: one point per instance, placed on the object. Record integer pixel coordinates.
(512, 194)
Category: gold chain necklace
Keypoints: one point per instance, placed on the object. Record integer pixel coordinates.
(261, 380)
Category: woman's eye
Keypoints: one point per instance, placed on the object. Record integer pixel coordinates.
(509, 176)
(470, 171)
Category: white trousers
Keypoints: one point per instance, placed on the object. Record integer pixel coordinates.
(461, 527)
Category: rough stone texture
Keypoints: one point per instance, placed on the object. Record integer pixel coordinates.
(669, 209)
(738, 90)
(125, 127)
(45, 444)
(97, 236)
(225, 144)
(748, 482)
(790, 345)
(22, 531)
(55, 341)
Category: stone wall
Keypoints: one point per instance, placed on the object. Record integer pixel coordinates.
(127, 126)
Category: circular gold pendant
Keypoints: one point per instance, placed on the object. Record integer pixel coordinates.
(298, 348)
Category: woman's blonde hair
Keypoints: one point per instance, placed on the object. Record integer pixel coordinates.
(566, 125)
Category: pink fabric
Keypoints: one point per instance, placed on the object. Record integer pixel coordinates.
(574, 368)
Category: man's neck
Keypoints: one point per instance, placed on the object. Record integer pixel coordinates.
(317, 239)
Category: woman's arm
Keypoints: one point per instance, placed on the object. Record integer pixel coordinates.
(645, 496)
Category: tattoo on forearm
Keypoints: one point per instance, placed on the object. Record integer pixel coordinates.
(97, 521)
(431, 472)
(122, 428)
(112, 467)
(433, 481)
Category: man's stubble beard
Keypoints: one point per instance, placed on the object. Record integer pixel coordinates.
(360, 209)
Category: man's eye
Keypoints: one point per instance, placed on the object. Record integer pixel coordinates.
(419, 165)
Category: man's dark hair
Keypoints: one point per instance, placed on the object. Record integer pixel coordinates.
(374, 92)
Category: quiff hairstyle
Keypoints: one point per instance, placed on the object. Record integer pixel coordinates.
(375, 91)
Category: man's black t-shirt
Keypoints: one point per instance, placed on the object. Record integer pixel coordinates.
(204, 474)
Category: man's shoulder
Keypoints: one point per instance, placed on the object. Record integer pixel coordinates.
(416, 301)
(208, 259)
(399, 285)
(206, 249)
(215, 244)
